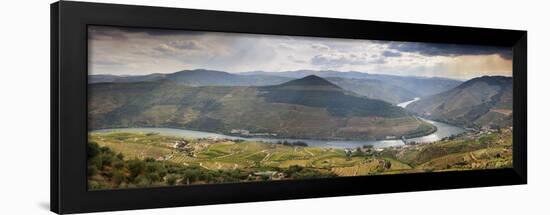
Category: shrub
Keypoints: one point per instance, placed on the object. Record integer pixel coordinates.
(92, 170)
(171, 179)
(120, 156)
(95, 161)
(107, 159)
(92, 149)
(142, 181)
(118, 164)
(135, 167)
(95, 185)
(118, 177)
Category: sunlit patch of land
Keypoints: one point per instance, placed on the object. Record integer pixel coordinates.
(122, 160)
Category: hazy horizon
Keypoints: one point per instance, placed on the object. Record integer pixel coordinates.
(248, 73)
(140, 51)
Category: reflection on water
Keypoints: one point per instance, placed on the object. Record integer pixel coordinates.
(443, 130)
(404, 104)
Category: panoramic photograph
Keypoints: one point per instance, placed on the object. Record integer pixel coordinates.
(183, 108)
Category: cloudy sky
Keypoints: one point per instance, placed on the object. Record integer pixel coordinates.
(134, 51)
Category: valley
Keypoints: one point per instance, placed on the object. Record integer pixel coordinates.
(306, 108)
(188, 129)
(169, 107)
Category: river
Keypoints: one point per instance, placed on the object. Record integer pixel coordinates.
(443, 130)
(404, 104)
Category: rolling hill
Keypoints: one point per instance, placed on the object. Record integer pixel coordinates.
(390, 88)
(311, 107)
(375, 89)
(420, 86)
(317, 92)
(483, 101)
(197, 77)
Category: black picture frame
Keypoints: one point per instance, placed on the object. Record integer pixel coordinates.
(69, 21)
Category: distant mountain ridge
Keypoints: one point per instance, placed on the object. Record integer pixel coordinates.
(482, 101)
(390, 88)
(197, 77)
(421, 86)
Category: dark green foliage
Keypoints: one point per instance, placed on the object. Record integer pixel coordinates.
(142, 181)
(95, 162)
(336, 102)
(92, 149)
(358, 152)
(208, 106)
(171, 179)
(387, 164)
(488, 139)
(118, 177)
(107, 159)
(92, 170)
(120, 156)
(294, 143)
(206, 123)
(299, 172)
(135, 167)
(118, 164)
(149, 172)
(421, 130)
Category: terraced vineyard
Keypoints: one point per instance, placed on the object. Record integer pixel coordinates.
(221, 154)
(471, 151)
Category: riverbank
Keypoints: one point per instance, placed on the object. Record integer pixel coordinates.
(436, 131)
(443, 130)
(231, 161)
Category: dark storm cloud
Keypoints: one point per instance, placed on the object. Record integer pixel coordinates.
(186, 44)
(440, 49)
(138, 51)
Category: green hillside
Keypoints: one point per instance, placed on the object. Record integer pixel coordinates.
(483, 101)
(305, 108)
(314, 91)
(375, 89)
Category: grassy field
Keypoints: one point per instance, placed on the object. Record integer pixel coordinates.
(221, 160)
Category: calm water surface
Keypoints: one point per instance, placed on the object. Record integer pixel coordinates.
(443, 130)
